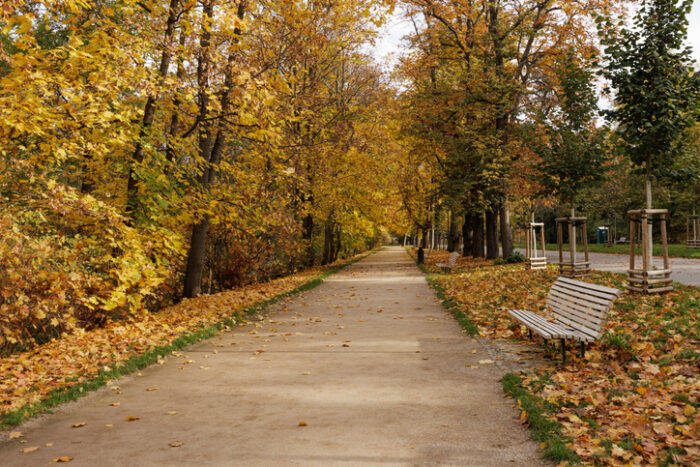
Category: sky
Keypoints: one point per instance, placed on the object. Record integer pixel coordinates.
(390, 42)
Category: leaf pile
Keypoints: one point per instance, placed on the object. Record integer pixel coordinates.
(635, 399)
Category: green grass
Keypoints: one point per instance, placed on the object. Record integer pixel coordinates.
(448, 303)
(677, 251)
(139, 362)
(452, 306)
(543, 430)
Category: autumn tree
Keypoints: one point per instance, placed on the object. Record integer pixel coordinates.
(501, 47)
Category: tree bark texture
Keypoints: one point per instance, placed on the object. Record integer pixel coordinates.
(478, 235)
(491, 234)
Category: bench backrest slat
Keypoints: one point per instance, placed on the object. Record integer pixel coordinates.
(581, 305)
(453, 259)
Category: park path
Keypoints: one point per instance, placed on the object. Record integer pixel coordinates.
(685, 270)
(369, 361)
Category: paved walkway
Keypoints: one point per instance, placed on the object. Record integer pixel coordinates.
(369, 362)
(685, 270)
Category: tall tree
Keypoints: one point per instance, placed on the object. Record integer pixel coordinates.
(656, 89)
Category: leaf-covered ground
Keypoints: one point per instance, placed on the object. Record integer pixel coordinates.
(635, 398)
(27, 378)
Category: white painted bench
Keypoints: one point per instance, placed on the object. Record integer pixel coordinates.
(579, 308)
(451, 262)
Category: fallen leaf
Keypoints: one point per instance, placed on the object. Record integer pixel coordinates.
(485, 362)
(115, 404)
(29, 449)
(302, 424)
(109, 425)
(78, 425)
(170, 412)
(63, 459)
(175, 444)
(48, 445)
(131, 418)
(16, 434)
(152, 389)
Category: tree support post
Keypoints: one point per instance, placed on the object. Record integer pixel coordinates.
(693, 231)
(572, 267)
(647, 280)
(533, 260)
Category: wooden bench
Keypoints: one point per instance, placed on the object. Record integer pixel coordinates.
(451, 262)
(579, 308)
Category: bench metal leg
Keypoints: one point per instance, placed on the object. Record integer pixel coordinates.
(563, 351)
(583, 349)
(530, 330)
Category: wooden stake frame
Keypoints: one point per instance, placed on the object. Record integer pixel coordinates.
(642, 279)
(693, 231)
(532, 261)
(570, 268)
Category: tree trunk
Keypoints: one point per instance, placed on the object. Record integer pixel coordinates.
(336, 244)
(478, 239)
(195, 256)
(468, 235)
(328, 242)
(649, 226)
(506, 232)
(195, 259)
(453, 236)
(307, 235)
(491, 234)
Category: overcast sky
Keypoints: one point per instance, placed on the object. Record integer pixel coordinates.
(390, 43)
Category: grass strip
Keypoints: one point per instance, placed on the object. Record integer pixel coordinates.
(453, 307)
(139, 362)
(448, 303)
(543, 430)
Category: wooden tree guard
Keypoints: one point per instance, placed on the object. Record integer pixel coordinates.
(693, 231)
(532, 261)
(572, 268)
(642, 279)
